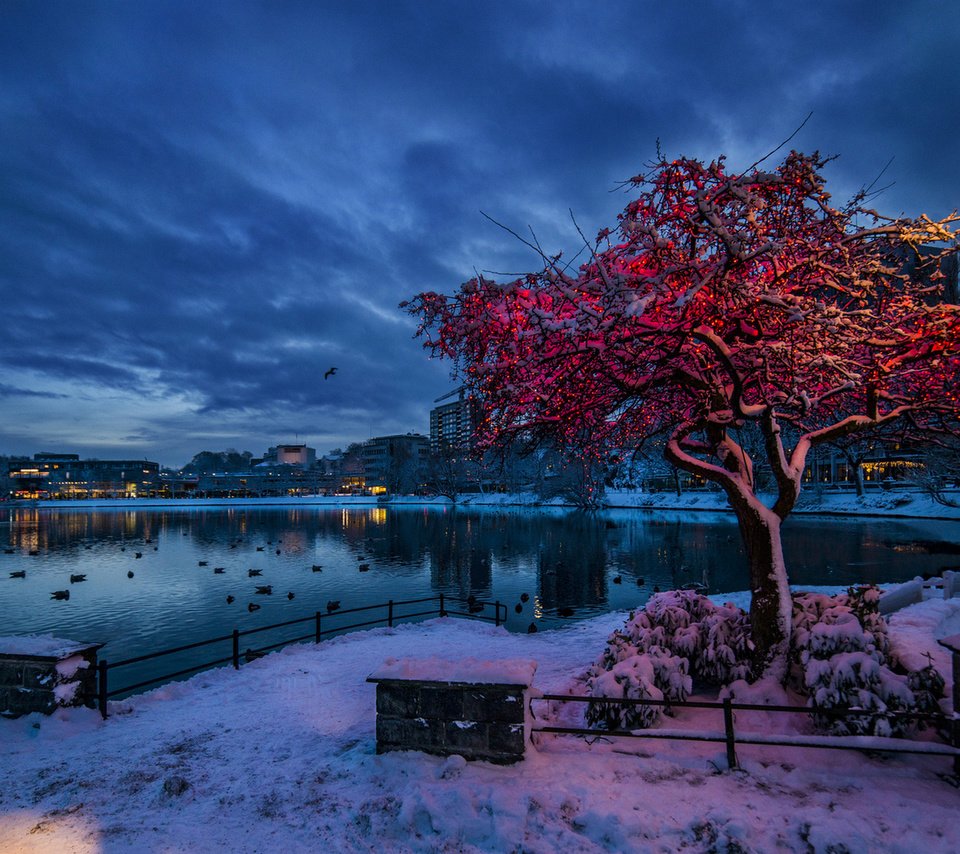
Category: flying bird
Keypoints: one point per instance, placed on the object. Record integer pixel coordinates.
(329, 373)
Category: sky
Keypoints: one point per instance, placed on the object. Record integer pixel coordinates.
(205, 206)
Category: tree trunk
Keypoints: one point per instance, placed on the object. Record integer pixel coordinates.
(771, 607)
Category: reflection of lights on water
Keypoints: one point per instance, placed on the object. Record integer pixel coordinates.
(379, 516)
(537, 608)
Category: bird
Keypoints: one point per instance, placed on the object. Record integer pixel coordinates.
(233, 545)
(148, 540)
(318, 567)
(259, 548)
(329, 373)
(33, 552)
(475, 607)
(21, 574)
(13, 551)
(364, 567)
(123, 548)
(333, 604)
(138, 554)
(86, 547)
(518, 607)
(251, 607)
(253, 572)
(565, 612)
(80, 577)
(278, 551)
(290, 595)
(618, 579)
(60, 594)
(524, 597)
(265, 590)
(201, 563)
(229, 600)
(250, 655)
(130, 574)
(218, 570)
(532, 629)
(641, 581)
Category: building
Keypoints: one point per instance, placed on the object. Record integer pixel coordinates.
(67, 476)
(398, 464)
(453, 425)
(291, 455)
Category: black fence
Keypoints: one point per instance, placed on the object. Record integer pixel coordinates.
(322, 624)
(947, 726)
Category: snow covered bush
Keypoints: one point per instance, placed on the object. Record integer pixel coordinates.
(842, 661)
(840, 655)
(678, 635)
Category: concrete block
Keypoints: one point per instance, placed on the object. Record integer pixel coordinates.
(493, 704)
(445, 704)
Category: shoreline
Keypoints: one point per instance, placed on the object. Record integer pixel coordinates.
(890, 504)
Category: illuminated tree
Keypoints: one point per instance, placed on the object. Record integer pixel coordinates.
(724, 303)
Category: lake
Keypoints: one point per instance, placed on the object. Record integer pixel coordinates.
(561, 558)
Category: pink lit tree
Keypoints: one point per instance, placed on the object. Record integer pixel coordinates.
(723, 303)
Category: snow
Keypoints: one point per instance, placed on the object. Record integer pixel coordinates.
(46, 646)
(281, 756)
(469, 671)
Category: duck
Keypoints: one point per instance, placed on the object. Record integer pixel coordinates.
(532, 629)
(252, 572)
(290, 595)
(138, 555)
(60, 594)
(148, 540)
(565, 612)
(618, 579)
(202, 563)
(278, 551)
(33, 552)
(250, 655)
(518, 607)
(130, 574)
(218, 570)
(259, 548)
(524, 597)
(230, 600)
(317, 567)
(364, 567)
(265, 590)
(77, 578)
(19, 574)
(475, 607)
(13, 551)
(641, 581)
(332, 605)
(251, 607)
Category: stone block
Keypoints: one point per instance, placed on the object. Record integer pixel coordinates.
(469, 736)
(23, 701)
(493, 704)
(398, 699)
(408, 734)
(445, 704)
(40, 676)
(504, 738)
(11, 672)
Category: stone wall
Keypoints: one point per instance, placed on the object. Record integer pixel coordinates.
(474, 721)
(476, 709)
(41, 677)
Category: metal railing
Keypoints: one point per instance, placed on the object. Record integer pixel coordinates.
(322, 624)
(728, 736)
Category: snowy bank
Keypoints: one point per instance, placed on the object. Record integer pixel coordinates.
(281, 756)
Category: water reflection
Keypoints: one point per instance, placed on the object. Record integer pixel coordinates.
(563, 559)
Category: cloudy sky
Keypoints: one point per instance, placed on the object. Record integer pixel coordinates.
(204, 206)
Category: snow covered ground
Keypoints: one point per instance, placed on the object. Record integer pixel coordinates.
(281, 757)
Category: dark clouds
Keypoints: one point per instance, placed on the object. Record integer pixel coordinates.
(205, 206)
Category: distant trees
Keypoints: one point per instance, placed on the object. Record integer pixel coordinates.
(725, 304)
(230, 460)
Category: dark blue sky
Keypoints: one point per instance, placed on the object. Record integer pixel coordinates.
(203, 206)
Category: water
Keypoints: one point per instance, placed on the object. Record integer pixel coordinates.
(560, 558)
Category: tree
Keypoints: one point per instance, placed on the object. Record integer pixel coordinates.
(724, 303)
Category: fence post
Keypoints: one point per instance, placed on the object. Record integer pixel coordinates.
(318, 626)
(496, 608)
(443, 611)
(102, 688)
(390, 613)
(728, 727)
(236, 649)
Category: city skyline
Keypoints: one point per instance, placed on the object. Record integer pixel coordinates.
(206, 209)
